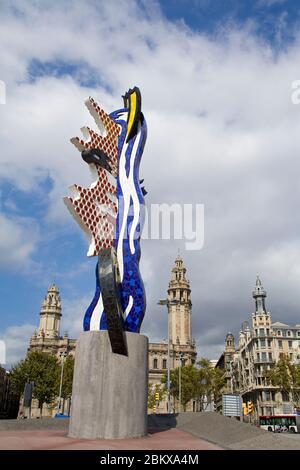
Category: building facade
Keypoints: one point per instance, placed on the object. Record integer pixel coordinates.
(260, 347)
(225, 362)
(9, 400)
(181, 344)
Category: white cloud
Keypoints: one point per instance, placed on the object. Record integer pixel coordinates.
(73, 313)
(16, 339)
(18, 240)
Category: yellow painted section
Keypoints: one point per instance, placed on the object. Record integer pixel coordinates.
(132, 112)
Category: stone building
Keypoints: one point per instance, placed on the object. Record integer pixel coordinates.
(9, 400)
(182, 346)
(260, 347)
(225, 362)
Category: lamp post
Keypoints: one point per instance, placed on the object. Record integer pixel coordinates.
(203, 382)
(62, 354)
(168, 302)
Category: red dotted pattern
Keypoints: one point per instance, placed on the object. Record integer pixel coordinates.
(86, 205)
(108, 143)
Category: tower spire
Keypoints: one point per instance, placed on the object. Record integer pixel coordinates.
(50, 314)
(179, 296)
(259, 295)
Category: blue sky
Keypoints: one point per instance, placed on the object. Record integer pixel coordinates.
(216, 79)
(272, 20)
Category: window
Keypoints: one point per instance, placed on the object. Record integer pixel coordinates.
(279, 332)
(164, 363)
(264, 356)
(298, 333)
(269, 343)
(267, 396)
(270, 357)
(290, 344)
(155, 364)
(280, 343)
(268, 331)
(257, 356)
(289, 333)
(261, 332)
(285, 396)
(262, 343)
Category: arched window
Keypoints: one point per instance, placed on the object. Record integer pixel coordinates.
(155, 363)
(164, 363)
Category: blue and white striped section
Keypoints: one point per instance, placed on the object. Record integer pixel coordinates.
(128, 226)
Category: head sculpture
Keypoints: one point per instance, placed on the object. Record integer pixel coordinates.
(111, 212)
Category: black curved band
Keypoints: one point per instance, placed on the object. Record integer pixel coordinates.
(109, 282)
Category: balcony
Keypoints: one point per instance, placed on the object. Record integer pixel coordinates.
(263, 361)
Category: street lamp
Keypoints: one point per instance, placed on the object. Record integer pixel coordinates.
(168, 302)
(62, 354)
(203, 382)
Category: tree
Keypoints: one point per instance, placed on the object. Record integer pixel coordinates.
(188, 384)
(218, 384)
(66, 390)
(203, 384)
(286, 376)
(152, 390)
(42, 369)
(209, 384)
(67, 383)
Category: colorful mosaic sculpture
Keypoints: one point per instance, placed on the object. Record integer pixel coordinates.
(111, 212)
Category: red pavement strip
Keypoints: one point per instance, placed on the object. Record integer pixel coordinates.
(171, 439)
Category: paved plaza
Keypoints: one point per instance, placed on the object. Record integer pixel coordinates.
(186, 431)
(173, 439)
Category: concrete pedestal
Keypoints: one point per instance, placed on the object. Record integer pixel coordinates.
(110, 391)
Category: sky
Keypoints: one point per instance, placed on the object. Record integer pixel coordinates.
(216, 81)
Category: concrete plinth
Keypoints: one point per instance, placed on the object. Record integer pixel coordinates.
(110, 391)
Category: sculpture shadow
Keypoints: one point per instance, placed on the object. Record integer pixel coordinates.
(161, 422)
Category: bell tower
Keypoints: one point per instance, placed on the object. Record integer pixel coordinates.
(50, 314)
(229, 343)
(180, 305)
(259, 295)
